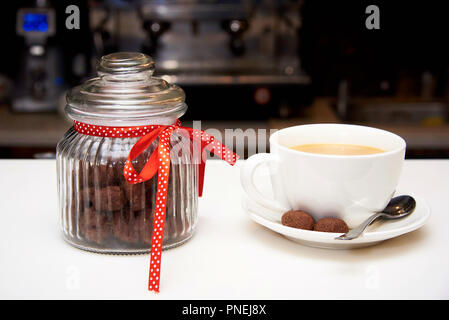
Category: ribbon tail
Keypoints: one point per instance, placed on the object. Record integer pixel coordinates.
(207, 142)
(157, 239)
(201, 169)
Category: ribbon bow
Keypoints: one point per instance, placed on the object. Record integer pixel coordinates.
(159, 162)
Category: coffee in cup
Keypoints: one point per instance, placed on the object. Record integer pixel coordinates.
(307, 173)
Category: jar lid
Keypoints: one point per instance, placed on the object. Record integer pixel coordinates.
(126, 93)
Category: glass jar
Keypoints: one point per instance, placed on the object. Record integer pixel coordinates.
(100, 211)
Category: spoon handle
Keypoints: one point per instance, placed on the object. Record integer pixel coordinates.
(356, 232)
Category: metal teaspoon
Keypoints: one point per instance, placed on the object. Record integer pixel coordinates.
(397, 208)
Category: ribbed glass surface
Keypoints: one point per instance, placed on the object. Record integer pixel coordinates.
(101, 212)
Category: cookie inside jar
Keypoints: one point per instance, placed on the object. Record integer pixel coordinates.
(109, 214)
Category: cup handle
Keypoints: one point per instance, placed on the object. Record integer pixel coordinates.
(247, 179)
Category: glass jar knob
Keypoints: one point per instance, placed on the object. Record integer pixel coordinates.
(121, 63)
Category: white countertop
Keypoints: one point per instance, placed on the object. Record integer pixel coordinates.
(230, 256)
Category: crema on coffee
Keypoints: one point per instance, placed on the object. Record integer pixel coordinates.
(337, 149)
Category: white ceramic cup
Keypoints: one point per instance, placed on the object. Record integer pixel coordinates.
(344, 186)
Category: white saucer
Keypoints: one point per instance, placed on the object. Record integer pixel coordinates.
(377, 232)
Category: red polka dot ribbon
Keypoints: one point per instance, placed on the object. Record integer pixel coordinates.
(159, 161)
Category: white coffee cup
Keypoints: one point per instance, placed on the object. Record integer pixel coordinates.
(350, 187)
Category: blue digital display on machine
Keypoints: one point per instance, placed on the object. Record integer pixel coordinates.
(35, 22)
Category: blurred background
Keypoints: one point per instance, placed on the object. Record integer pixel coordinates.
(260, 64)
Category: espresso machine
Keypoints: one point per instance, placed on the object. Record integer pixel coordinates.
(225, 54)
(50, 58)
(40, 80)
